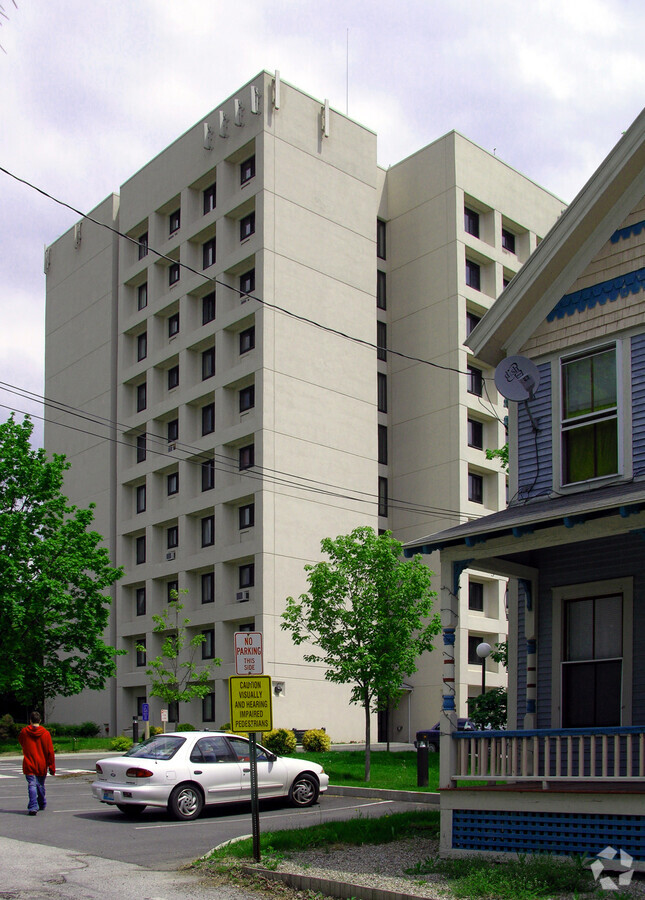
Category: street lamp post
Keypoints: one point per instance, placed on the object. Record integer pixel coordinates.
(483, 652)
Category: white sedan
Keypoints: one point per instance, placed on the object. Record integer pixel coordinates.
(184, 771)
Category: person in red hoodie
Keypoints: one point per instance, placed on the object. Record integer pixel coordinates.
(38, 756)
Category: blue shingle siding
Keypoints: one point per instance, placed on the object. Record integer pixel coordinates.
(638, 403)
(535, 451)
(589, 561)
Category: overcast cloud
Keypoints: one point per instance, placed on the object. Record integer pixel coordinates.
(90, 91)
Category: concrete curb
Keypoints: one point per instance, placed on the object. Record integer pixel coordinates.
(327, 887)
(384, 794)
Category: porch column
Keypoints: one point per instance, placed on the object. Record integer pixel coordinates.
(450, 576)
(526, 590)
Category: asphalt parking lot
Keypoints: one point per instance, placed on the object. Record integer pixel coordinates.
(74, 820)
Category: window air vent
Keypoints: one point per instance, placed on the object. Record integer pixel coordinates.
(242, 596)
(170, 555)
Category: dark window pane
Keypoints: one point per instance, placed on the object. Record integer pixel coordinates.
(208, 531)
(143, 245)
(381, 380)
(508, 240)
(382, 497)
(208, 475)
(381, 235)
(173, 430)
(141, 448)
(141, 549)
(210, 198)
(476, 596)
(142, 296)
(208, 253)
(471, 321)
(173, 325)
(174, 221)
(381, 290)
(173, 483)
(382, 444)
(208, 708)
(141, 651)
(473, 275)
(208, 308)
(247, 339)
(141, 498)
(381, 340)
(247, 456)
(208, 363)
(475, 488)
(208, 644)
(247, 516)
(247, 575)
(475, 382)
(247, 398)
(172, 537)
(475, 434)
(247, 282)
(142, 346)
(247, 226)
(247, 169)
(208, 418)
(174, 272)
(141, 397)
(141, 601)
(173, 377)
(471, 222)
(208, 587)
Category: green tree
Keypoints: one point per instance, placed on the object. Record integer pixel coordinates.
(500, 453)
(53, 573)
(174, 674)
(489, 710)
(367, 614)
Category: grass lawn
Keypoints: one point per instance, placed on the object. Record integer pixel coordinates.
(394, 771)
(62, 745)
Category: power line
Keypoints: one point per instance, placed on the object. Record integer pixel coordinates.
(217, 281)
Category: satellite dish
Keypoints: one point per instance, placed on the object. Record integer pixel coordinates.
(517, 378)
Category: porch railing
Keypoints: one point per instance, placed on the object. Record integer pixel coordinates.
(607, 754)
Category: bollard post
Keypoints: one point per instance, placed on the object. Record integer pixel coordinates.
(135, 729)
(422, 762)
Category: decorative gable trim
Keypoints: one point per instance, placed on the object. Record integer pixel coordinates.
(629, 231)
(587, 298)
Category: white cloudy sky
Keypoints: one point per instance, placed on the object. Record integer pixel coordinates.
(89, 91)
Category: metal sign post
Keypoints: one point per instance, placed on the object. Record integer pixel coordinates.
(251, 711)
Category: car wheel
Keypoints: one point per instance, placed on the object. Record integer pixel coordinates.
(433, 748)
(131, 809)
(186, 802)
(304, 790)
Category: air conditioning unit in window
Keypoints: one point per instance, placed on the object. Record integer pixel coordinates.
(170, 555)
(242, 596)
(172, 447)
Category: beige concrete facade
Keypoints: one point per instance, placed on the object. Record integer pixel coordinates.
(272, 206)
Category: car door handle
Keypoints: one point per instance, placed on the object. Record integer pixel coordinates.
(246, 771)
(197, 772)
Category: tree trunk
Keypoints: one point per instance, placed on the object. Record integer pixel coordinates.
(367, 739)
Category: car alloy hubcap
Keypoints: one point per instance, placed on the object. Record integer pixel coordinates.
(187, 802)
(303, 791)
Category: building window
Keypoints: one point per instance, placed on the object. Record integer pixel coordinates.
(141, 498)
(141, 397)
(471, 222)
(381, 384)
(381, 235)
(208, 644)
(208, 363)
(208, 531)
(246, 626)
(172, 482)
(508, 240)
(208, 587)
(172, 590)
(140, 702)
(471, 322)
(382, 497)
(174, 272)
(381, 290)
(247, 226)
(141, 448)
(172, 537)
(208, 308)
(208, 253)
(474, 641)
(142, 295)
(140, 644)
(473, 275)
(140, 550)
(143, 245)
(142, 346)
(247, 398)
(247, 282)
(173, 324)
(247, 169)
(476, 596)
(173, 711)
(140, 600)
(475, 434)
(173, 430)
(475, 488)
(208, 708)
(210, 198)
(208, 418)
(174, 221)
(382, 444)
(246, 516)
(208, 475)
(173, 377)
(475, 381)
(592, 665)
(247, 339)
(246, 456)
(589, 416)
(381, 340)
(246, 575)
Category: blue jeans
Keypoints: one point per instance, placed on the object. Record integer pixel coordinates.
(36, 788)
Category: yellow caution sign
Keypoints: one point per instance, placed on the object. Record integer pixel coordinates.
(250, 702)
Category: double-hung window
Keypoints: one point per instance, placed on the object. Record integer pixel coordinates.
(208, 308)
(247, 398)
(471, 221)
(208, 363)
(589, 422)
(473, 275)
(210, 198)
(247, 226)
(209, 253)
(247, 169)
(143, 245)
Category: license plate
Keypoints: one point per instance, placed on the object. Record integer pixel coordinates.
(108, 795)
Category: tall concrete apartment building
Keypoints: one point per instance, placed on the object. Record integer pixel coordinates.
(264, 347)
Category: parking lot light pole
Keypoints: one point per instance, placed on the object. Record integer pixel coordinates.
(483, 652)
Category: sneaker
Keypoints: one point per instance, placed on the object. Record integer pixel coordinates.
(32, 812)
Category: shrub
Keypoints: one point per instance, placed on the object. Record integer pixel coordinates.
(155, 729)
(88, 729)
(121, 743)
(8, 729)
(85, 729)
(185, 726)
(279, 741)
(316, 741)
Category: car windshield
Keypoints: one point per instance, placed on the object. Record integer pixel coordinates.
(161, 746)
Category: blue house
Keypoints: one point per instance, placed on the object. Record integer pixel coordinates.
(568, 776)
